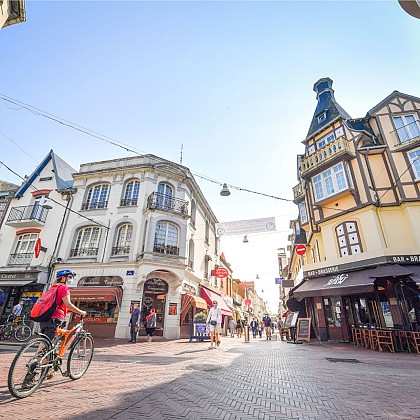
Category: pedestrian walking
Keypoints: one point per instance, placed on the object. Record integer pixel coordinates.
(273, 327)
(214, 318)
(260, 328)
(134, 323)
(254, 327)
(232, 327)
(17, 309)
(151, 324)
(239, 328)
(267, 326)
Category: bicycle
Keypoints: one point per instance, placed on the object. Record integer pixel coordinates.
(36, 359)
(22, 331)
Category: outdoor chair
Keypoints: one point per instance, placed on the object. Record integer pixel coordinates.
(385, 340)
(416, 341)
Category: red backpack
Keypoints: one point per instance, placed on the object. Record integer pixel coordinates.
(46, 305)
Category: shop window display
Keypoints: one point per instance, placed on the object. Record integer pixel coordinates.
(99, 311)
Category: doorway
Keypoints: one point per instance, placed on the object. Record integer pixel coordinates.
(154, 296)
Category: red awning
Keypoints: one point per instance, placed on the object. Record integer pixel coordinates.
(191, 300)
(108, 294)
(210, 296)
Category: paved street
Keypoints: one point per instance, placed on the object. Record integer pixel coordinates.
(257, 380)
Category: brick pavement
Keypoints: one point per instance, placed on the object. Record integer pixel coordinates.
(257, 380)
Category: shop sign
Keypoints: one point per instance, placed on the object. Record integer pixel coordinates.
(37, 248)
(101, 281)
(189, 289)
(220, 273)
(156, 286)
(201, 328)
(248, 302)
(19, 276)
(338, 279)
(92, 319)
(278, 280)
(408, 259)
(147, 301)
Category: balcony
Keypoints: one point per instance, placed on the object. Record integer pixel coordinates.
(120, 250)
(20, 259)
(34, 215)
(167, 203)
(299, 192)
(166, 249)
(94, 205)
(84, 252)
(127, 202)
(407, 136)
(325, 156)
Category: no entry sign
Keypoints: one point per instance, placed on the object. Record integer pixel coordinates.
(300, 249)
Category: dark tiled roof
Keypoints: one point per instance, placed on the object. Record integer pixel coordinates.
(326, 103)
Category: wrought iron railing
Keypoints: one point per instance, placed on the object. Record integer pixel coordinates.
(20, 259)
(166, 249)
(22, 213)
(407, 132)
(120, 250)
(84, 252)
(94, 205)
(126, 202)
(167, 203)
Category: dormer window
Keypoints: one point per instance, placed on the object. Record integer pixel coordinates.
(322, 117)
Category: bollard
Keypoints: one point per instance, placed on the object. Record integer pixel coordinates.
(246, 335)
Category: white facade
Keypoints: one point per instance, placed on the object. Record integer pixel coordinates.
(148, 220)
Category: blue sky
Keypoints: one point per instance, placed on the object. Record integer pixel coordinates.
(231, 81)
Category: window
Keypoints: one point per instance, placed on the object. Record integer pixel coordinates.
(87, 242)
(311, 149)
(322, 117)
(26, 243)
(348, 239)
(164, 196)
(325, 140)
(131, 193)
(124, 235)
(193, 212)
(207, 232)
(408, 127)
(97, 197)
(414, 157)
(302, 213)
(191, 254)
(166, 239)
(330, 182)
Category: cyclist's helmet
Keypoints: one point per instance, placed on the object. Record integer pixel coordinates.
(65, 272)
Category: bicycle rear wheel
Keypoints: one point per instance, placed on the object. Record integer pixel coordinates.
(28, 370)
(22, 333)
(80, 357)
(7, 332)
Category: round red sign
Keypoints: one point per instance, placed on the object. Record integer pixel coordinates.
(37, 248)
(300, 249)
(248, 302)
(221, 273)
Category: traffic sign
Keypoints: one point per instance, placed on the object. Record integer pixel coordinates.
(300, 249)
(220, 273)
(248, 302)
(278, 280)
(37, 248)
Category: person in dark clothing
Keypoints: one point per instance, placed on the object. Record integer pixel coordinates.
(254, 326)
(134, 323)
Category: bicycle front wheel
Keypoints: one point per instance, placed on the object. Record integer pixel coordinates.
(80, 357)
(23, 333)
(28, 368)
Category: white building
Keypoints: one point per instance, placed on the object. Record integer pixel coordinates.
(150, 239)
(28, 226)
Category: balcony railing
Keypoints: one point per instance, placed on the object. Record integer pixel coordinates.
(126, 202)
(20, 259)
(167, 203)
(166, 249)
(299, 191)
(327, 153)
(94, 205)
(27, 213)
(120, 250)
(407, 132)
(84, 252)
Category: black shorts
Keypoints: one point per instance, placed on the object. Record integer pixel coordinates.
(49, 327)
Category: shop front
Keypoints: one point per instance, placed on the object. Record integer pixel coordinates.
(210, 296)
(190, 306)
(15, 286)
(100, 297)
(155, 292)
(384, 297)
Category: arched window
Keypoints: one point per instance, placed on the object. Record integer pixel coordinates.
(131, 193)
(87, 242)
(193, 212)
(97, 197)
(24, 250)
(348, 239)
(164, 196)
(191, 254)
(122, 244)
(166, 239)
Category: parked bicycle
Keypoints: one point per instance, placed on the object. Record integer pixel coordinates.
(21, 330)
(40, 356)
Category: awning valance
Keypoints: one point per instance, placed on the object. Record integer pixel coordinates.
(107, 294)
(354, 282)
(416, 273)
(191, 300)
(391, 270)
(210, 296)
(15, 283)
